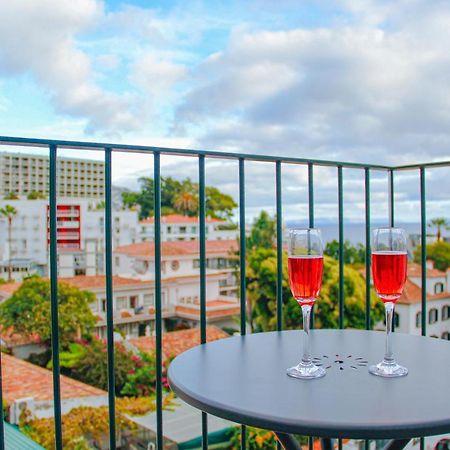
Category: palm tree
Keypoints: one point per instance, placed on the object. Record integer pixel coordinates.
(439, 223)
(8, 212)
(186, 203)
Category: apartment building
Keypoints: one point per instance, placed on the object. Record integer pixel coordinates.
(80, 236)
(408, 310)
(176, 227)
(22, 173)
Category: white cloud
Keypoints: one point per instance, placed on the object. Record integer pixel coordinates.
(357, 92)
(39, 38)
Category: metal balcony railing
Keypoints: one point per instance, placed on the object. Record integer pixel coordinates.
(278, 161)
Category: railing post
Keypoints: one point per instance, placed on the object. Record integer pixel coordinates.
(341, 246)
(54, 296)
(279, 248)
(202, 232)
(423, 253)
(109, 300)
(368, 257)
(158, 302)
(242, 269)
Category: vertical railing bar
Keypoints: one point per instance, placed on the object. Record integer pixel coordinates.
(158, 302)
(242, 268)
(423, 253)
(279, 248)
(368, 258)
(391, 199)
(109, 300)
(341, 246)
(2, 430)
(391, 211)
(202, 233)
(341, 255)
(311, 225)
(423, 259)
(54, 296)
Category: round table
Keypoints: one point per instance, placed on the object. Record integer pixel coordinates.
(243, 379)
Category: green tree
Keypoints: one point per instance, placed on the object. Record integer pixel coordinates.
(439, 253)
(92, 366)
(11, 196)
(353, 254)
(36, 195)
(8, 212)
(186, 203)
(438, 223)
(179, 197)
(28, 311)
(262, 234)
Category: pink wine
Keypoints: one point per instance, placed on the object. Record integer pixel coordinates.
(389, 274)
(305, 277)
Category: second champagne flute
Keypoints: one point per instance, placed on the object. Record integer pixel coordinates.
(305, 267)
(389, 266)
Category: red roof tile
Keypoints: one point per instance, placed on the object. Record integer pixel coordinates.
(99, 281)
(178, 248)
(412, 293)
(23, 379)
(12, 339)
(415, 270)
(178, 218)
(176, 342)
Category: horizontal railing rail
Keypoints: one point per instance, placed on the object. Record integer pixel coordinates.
(54, 146)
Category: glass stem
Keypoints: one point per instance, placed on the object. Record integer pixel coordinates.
(389, 308)
(306, 311)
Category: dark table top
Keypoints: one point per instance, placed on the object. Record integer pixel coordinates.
(244, 379)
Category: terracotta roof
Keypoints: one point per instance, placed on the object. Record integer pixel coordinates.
(195, 311)
(23, 379)
(9, 288)
(178, 248)
(415, 270)
(99, 281)
(412, 293)
(176, 342)
(12, 339)
(178, 218)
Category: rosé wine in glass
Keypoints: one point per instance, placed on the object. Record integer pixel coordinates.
(389, 274)
(305, 277)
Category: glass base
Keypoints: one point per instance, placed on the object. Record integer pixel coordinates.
(306, 371)
(388, 369)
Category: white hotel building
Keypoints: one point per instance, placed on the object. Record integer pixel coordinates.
(22, 173)
(175, 227)
(80, 237)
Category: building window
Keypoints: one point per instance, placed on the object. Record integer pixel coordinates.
(432, 316)
(196, 263)
(445, 312)
(446, 335)
(103, 303)
(122, 302)
(438, 288)
(117, 261)
(149, 299)
(174, 265)
(418, 320)
(94, 306)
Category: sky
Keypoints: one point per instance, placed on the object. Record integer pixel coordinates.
(365, 81)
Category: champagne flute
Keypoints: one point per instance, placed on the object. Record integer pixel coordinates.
(305, 267)
(389, 264)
